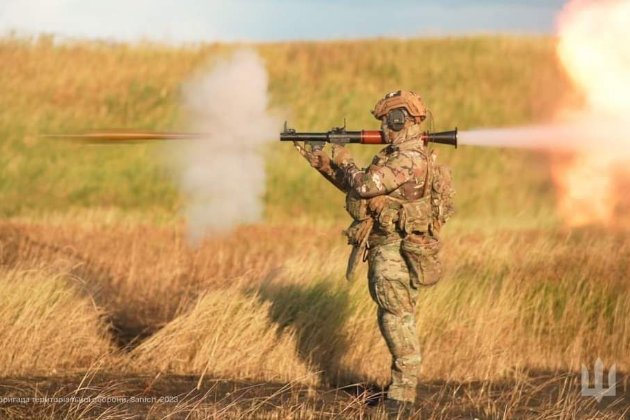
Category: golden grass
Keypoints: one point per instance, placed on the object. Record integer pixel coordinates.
(511, 300)
(226, 334)
(46, 326)
(517, 310)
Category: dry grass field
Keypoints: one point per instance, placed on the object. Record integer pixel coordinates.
(109, 313)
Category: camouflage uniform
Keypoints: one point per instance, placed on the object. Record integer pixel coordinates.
(394, 169)
(391, 201)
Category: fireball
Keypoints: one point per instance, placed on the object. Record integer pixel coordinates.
(594, 49)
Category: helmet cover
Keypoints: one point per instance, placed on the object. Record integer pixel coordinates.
(411, 102)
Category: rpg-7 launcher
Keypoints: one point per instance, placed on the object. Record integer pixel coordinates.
(340, 135)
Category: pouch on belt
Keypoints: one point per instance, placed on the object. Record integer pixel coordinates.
(421, 256)
(357, 234)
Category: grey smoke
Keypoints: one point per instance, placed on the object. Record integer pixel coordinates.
(222, 174)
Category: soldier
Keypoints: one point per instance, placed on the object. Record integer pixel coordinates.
(398, 204)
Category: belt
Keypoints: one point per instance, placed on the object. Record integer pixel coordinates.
(375, 240)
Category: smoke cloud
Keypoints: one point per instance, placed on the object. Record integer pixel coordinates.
(222, 174)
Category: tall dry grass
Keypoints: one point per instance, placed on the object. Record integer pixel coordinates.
(47, 326)
(225, 334)
(268, 303)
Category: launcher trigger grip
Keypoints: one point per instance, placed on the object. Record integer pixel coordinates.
(316, 146)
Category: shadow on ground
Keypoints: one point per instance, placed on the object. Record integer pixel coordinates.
(317, 313)
(96, 281)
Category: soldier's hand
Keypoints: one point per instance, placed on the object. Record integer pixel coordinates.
(319, 160)
(340, 155)
(300, 148)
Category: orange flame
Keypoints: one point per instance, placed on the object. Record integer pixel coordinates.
(593, 47)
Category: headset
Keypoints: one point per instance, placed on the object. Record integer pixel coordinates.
(396, 119)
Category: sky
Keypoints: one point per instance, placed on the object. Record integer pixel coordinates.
(186, 21)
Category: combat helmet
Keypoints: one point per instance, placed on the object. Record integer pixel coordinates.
(406, 99)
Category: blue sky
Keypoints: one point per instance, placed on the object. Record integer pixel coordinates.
(274, 20)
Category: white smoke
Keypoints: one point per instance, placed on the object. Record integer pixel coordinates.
(223, 173)
(586, 132)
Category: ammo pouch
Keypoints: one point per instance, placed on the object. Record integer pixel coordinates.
(357, 207)
(386, 211)
(358, 232)
(422, 259)
(387, 217)
(416, 216)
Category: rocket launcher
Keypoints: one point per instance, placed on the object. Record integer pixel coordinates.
(340, 135)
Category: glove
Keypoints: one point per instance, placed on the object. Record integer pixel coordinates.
(318, 159)
(340, 155)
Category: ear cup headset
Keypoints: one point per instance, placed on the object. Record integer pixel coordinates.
(396, 118)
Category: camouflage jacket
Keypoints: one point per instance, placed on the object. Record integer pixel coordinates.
(397, 175)
(399, 171)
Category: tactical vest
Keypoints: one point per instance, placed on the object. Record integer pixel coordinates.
(421, 205)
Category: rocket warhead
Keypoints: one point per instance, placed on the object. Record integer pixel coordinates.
(122, 136)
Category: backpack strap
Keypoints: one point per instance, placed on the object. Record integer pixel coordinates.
(429, 177)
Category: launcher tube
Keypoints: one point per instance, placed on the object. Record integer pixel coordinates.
(341, 136)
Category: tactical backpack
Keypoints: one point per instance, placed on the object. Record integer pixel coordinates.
(421, 252)
(442, 192)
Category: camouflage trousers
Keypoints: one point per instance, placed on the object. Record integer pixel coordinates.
(391, 289)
